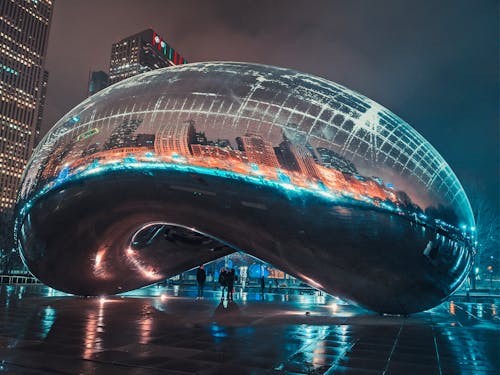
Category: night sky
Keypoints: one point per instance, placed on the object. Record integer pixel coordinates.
(434, 64)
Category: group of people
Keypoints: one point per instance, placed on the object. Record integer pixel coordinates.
(226, 281)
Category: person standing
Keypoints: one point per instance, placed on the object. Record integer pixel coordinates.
(262, 284)
(231, 276)
(223, 281)
(201, 277)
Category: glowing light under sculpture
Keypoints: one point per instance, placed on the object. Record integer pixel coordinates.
(303, 173)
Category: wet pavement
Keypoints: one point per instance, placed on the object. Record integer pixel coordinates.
(167, 331)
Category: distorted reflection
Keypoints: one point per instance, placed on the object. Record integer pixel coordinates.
(464, 348)
(319, 299)
(452, 308)
(318, 346)
(21, 292)
(94, 328)
(479, 310)
(227, 310)
(8, 291)
(145, 324)
(469, 311)
(49, 317)
(100, 270)
(50, 292)
(334, 307)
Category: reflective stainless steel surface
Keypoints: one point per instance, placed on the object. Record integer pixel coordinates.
(295, 170)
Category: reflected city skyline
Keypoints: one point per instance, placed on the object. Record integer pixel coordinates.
(313, 132)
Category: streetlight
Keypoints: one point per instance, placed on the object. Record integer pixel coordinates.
(490, 270)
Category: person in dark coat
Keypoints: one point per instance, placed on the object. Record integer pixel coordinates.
(262, 284)
(201, 277)
(223, 281)
(231, 277)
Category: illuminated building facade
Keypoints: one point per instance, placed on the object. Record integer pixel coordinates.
(302, 173)
(41, 106)
(24, 30)
(141, 53)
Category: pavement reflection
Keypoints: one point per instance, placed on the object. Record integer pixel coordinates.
(166, 330)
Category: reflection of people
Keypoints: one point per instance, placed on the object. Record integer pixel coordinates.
(201, 276)
(231, 276)
(223, 281)
(262, 284)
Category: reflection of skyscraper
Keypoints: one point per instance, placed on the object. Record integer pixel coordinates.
(97, 81)
(141, 53)
(239, 144)
(285, 156)
(296, 158)
(175, 139)
(312, 152)
(91, 149)
(331, 159)
(305, 161)
(122, 135)
(57, 159)
(24, 33)
(145, 140)
(222, 153)
(200, 138)
(222, 143)
(258, 150)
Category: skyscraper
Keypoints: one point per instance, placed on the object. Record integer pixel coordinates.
(24, 31)
(140, 53)
(41, 106)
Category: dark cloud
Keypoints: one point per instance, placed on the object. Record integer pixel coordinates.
(435, 64)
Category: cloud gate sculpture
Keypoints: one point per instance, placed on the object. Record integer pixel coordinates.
(293, 169)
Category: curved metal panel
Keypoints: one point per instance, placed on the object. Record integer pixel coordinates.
(296, 170)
